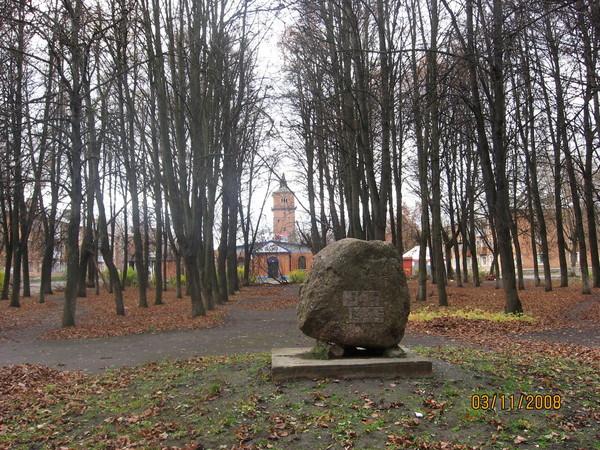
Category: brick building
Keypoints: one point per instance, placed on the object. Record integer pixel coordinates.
(278, 257)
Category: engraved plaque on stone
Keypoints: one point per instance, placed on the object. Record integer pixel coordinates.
(363, 306)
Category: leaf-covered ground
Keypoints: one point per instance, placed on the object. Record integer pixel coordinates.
(549, 312)
(231, 402)
(561, 308)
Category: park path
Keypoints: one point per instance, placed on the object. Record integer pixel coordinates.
(245, 331)
(585, 333)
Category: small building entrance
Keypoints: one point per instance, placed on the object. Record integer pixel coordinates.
(273, 267)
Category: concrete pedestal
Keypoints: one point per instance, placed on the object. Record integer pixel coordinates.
(288, 363)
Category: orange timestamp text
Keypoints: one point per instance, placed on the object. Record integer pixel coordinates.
(532, 402)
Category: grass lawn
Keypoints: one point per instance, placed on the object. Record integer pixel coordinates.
(503, 389)
(231, 402)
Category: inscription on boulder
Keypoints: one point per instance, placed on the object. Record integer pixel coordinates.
(355, 296)
(363, 306)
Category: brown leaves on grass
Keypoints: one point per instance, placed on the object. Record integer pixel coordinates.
(407, 441)
(27, 390)
(96, 316)
(27, 378)
(561, 308)
(593, 313)
(263, 291)
(586, 355)
(554, 309)
(459, 326)
(282, 426)
(265, 297)
(30, 314)
(136, 322)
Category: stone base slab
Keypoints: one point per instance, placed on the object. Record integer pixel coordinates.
(288, 363)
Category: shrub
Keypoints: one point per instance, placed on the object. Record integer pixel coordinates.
(298, 276)
(427, 313)
(415, 274)
(173, 281)
(131, 277)
(251, 278)
(1, 279)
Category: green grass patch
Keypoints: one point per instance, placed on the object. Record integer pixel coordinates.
(231, 402)
(427, 313)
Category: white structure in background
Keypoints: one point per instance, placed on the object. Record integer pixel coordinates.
(413, 254)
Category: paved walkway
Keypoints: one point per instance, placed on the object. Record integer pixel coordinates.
(246, 331)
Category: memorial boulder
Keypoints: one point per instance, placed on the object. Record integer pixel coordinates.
(355, 296)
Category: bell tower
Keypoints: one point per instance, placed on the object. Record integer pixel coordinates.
(284, 213)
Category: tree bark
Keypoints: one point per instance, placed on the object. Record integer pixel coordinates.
(561, 124)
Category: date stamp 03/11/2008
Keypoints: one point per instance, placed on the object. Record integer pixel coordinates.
(531, 402)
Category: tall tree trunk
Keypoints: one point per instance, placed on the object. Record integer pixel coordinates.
(47, 258)
(561, 122)
(494, 170)
(434, 141)
(591, 93)
(158, 243)
(16, 130)
(74, 10)
(422, 161)
(557, 185)
(387, 105)
(105, 247)
(514, 229)
(125, 241)
(529, 148)
(133, 173)
(8, 250)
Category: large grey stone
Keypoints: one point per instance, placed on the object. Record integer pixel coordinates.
(355, 295)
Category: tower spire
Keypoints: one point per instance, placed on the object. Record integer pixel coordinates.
(284, 212)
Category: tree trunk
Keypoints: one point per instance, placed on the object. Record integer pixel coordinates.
(16, 130)
(26, 282)
(434, 141)
(88, 234)
(125, 242)
(590, 97)
(529, 148)
(563, 138)
(494, 172)
(158, 242)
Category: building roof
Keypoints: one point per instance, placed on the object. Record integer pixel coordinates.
(283, 187)
(414, 253)
(277, 247)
